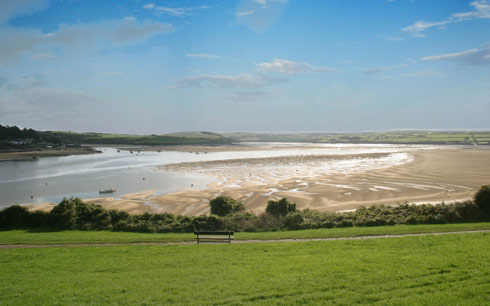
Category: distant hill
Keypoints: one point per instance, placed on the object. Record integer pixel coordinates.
(390, 137)
(183, 138)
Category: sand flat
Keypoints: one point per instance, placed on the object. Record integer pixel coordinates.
(432, 176)
(314, 182)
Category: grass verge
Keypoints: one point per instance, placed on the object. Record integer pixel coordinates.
(76, 237)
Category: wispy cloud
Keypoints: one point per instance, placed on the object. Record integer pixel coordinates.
(203, 55)
(265, 2)
(481, 10)
(291, 68)
(246, 13)
(123, 32)
(12, 9)
(380, 69)
(241, 81)
(468, 57)
(376, 70)
(174, 11)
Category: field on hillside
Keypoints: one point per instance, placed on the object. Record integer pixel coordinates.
(391, 137)
(431, 270)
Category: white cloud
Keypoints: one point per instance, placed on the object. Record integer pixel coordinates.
(16, 41)
(291, 68)
(265, 2)
(481, 10)
(10, 9)
(241, 81)
(203, 55)
(174, 11)
(380, 69)
(259, 15)
(246, 13)
(468, 57)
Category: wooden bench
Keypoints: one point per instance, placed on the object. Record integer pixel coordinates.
(216, 237)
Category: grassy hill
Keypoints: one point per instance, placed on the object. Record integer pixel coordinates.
(184, 138)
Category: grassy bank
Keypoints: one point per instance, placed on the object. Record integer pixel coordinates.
(75, 237)
(433, 270)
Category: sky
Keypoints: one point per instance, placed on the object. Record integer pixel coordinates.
(155, 67)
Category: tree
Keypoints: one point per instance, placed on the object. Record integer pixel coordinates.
(482, 198)
(280, 208)
(222, 206)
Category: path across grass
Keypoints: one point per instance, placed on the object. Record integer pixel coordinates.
(97, 237)
(19, 246)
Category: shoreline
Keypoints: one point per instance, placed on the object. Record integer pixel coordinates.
(32, 155)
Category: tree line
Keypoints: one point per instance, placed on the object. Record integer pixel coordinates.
(228, 214)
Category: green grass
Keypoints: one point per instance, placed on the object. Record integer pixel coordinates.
(75, 237)
(431, 270)
(394, 137)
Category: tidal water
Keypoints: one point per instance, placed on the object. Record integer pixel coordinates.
(51, 179)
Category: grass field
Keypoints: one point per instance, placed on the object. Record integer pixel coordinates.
(390, 137)
(430, 270)
(76, 237)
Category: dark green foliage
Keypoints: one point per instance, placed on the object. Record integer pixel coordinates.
(482, 198)
(14, 217)
(280, 208)
(280, 215)
(222, 206)
(203, 223)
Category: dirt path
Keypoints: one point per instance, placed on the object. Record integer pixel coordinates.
(22, 246)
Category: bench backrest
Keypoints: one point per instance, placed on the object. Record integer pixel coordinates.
(213, 233)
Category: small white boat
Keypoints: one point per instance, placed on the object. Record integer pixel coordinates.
(107, 190)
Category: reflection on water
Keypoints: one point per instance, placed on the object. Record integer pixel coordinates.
(52, 178)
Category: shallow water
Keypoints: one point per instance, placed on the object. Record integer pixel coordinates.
(53, 178)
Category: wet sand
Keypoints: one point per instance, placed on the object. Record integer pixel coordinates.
(430, 176)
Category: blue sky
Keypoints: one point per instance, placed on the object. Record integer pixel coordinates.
(129, 66)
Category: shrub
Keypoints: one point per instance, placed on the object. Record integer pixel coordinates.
(280, 208)
(482, 198)
(294, 220)
(207, 223)
(222, 206)
(14, 217)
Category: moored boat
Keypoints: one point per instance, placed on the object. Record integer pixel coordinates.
(107, 190)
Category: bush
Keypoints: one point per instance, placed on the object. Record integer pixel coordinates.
(482, 198)
(222, 206)
(14, 217)
(280, 208)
